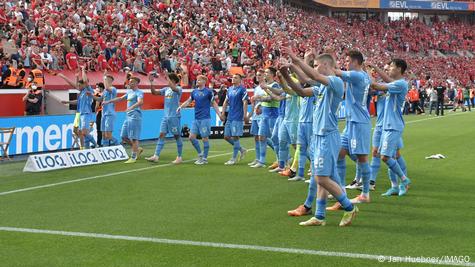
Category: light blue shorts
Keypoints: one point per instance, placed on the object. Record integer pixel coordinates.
(233, 128)
(304, 134)
(201, 127)
(107, 123)
(266, 126)
(255, 127)
(131, 129)
(85, 121)
(326, 149)
(170, 125)
(390, 142)
(377, 133)
(288, 132)
(356, 138)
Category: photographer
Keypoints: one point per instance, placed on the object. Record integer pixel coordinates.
(33, 99)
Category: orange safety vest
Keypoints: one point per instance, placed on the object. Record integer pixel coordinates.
(23, 80)
(11, 80)
(38, 77)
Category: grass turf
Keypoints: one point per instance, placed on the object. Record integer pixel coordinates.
(239, 205)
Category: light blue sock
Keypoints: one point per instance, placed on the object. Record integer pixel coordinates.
(230, 141)
(375, 165)
(321, 209)
(341, 166)
(269, 143)
(257, 148)
(236, 148)
(134, 155)
(312, 193)
(302, 160)
(345, 202)
(392, 178)
(179, 146)
(105, 142)
(366, 175)
(394, 166)
(262, 151)
(402, 164)
(206, 149)
(358, 173)
(196, 145)
(283, 154)
(160, 145)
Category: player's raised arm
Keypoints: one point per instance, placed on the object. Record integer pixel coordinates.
(386, 78)
(296, 87)
(311, 72)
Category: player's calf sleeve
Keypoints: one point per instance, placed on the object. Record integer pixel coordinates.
(392, 178)
(263, 151)
(179, 146)
(341, 166)
(394, 166)
(312, 193)
(345, 202)
(257, 149)
(375, 165)
(196, 145)
(236, 148)
(365, 175)
(321, 209)
(160, 145)
(402, 164)
(206, 149)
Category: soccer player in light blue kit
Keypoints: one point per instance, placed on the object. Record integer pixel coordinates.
(326, 136)
(304, 131)
(270, 112)
(171, 120)
(204, 100)
(256, 114)
(84, 104)
(393, 123)
(287, 132)
(356, 138)
(108, 112)
(236, 100)
(132, 127)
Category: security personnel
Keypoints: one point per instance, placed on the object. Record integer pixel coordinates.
(38, 76)
(10, 78)
(21, 77)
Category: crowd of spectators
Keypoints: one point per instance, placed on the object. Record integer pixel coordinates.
(216, 38)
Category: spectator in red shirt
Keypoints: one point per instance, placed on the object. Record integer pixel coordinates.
(115, 64)
(72, 59)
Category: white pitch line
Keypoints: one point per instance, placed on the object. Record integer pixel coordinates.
(437, 117)
(101, 176)
(379, 258)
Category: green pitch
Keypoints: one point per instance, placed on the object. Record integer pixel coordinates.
(239, 205)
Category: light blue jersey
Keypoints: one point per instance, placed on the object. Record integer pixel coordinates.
(109, 109)
(306, 109)
(358, 83)
(236, 95)
(328, 98)
(172, 101)
(85, 100)
(133, 97)
(380, 109)
(291, 108)
(393, 120)
(258, 92)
